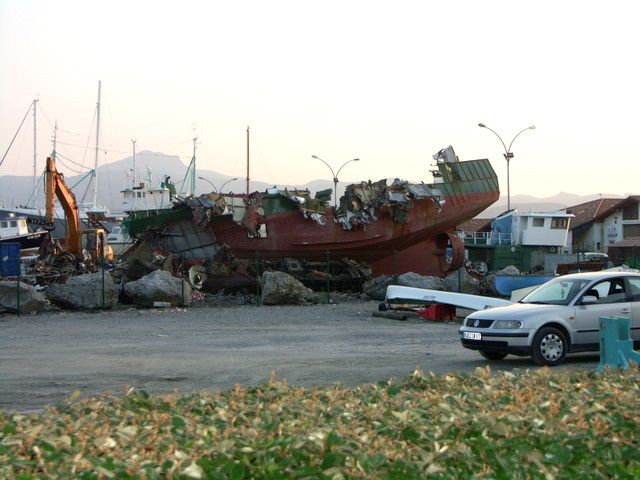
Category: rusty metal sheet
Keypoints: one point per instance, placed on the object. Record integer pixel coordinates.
(184, 239)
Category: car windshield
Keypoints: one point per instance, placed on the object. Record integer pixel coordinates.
(558, 291)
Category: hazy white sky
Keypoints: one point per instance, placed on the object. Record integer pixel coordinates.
(390, 82)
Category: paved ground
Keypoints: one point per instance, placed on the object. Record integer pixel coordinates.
(45, 357)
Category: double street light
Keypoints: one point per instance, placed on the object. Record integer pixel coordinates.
(335, 177)
(508, 155)
(214, 187)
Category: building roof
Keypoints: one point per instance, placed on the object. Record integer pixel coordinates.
(627, 242)
(475, 225)
(557, 214)
(588, 212)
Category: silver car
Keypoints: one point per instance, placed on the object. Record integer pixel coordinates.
(559, 317)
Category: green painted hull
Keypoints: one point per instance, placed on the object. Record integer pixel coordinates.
(142, 220)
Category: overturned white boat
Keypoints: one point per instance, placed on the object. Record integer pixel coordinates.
(397, 294)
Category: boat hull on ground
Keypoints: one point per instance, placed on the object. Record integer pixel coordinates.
(400, 294)
(395, 228)
(419, 244)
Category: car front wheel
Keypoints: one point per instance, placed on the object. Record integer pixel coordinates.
(549, 347)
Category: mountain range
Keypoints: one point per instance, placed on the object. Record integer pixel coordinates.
(113, 177)
(528, 203)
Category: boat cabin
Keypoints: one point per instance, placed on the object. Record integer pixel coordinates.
(13, 226)
(546, 229)
(145, 197)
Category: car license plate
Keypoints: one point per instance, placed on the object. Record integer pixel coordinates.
(472, 335)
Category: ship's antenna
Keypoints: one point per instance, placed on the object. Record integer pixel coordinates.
(193, 163)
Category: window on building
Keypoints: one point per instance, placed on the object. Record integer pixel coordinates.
(13, 224)
(3, 224)
(560, 223)
(629, 231)
(630, 212)
(538, 222)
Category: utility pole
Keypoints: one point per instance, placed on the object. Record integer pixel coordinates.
(247, 160)
(95, 167)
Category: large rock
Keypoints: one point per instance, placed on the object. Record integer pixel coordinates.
(279, 288)
(460, 281)
(31, 300)
(376, 288)
(416, 280)
(85, 292)
(158, 286)
(491, 278)
(509, 270)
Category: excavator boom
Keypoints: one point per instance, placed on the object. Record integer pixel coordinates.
(77, 238)
(56, 187)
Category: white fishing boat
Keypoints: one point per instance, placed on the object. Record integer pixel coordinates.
(14, 229)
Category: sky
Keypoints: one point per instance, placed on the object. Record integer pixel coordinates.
(388, 82)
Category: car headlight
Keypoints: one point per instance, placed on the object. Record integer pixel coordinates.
(507, 324)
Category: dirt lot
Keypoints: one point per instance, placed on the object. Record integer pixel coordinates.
(45, 357)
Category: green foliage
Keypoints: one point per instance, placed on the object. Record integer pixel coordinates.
(536, 424)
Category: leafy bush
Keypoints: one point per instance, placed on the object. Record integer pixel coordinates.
(540, 424)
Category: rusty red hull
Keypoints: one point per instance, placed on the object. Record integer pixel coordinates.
(289, 234)
(395, 227)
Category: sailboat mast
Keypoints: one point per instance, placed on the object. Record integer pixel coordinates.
(35, 156)
(247, 160)
(55, 140)
(95, 167)
(133, 179)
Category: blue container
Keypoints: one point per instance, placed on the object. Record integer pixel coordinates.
(505, 284)
(9, 259)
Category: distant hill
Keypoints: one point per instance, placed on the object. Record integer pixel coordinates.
(17, 190)
(113, 177)
(528, 203)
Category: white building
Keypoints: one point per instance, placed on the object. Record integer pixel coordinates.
(601, 222)
(544, 229)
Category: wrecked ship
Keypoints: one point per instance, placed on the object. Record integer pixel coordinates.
(393, 227)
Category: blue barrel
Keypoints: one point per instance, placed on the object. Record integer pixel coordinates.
(9, 259)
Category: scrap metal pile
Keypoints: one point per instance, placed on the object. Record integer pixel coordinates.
(361, 201)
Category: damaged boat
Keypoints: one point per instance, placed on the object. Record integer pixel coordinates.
(392, 226)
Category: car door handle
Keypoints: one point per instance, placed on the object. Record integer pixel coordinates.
(625, 310)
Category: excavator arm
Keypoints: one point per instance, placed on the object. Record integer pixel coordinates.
(57, 188)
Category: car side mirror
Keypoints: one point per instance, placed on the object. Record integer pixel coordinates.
(589, 300)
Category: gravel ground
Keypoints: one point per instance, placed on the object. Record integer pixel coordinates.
(46, 357)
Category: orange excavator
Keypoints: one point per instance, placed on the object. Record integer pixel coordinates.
(78, 239)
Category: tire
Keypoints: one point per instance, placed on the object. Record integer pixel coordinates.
(493, 355)
(549, 347)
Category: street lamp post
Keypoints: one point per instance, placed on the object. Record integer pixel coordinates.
(214, 187)
(228, 181)
(335, 177)
(508, 155)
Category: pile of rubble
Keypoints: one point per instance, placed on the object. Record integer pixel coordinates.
(157, 288)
